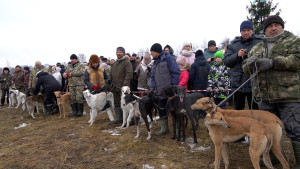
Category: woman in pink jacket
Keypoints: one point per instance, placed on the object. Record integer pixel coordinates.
(184, 69)
(187, 53)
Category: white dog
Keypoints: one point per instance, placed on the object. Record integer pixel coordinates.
(97, 102)
(18, 96)
(128, 109)
(12, 98)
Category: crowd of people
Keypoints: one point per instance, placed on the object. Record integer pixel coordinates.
(275, 59)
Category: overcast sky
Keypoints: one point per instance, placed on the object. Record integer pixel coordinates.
(51, 30)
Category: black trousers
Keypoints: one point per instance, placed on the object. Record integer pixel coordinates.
(5, 92)
(239, 101)
(289, 114)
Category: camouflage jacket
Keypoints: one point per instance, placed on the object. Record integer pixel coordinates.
(5, 80)
(18, 79)
(32, 77)
(282, 82)
(77, 74)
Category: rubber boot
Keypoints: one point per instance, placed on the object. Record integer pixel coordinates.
(164, 128)
(80, 110)
(119, 116)
(296, 148)
(74, 110)
(49, 109)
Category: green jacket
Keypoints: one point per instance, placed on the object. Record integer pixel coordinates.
(32, 77)
(121, 73)
(282, 82)
(77, 74)
(5, 84)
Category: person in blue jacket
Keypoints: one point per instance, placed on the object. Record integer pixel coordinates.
(165, 72)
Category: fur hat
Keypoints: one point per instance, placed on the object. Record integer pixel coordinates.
(6, 68)
(18, 66)
(94, 59)
(147, 56)
(121, 49)
(219, 54)
(73, 56)
(246, 25)
(212, 43)
(273, 19)
(199, 53)
(186, 44)
(156, 47)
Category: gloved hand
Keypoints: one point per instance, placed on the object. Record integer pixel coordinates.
(95, 87)
(151, 93)
(221, 89)
(251, 62)
(209, 89)
(264, 64)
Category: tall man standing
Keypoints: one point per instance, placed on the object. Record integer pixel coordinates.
(74, 73)
(165, 72)
(237, 52)
(277, 59)
(120, 75)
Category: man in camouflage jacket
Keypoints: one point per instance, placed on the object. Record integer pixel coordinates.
(32, 78)
(277, 84)
(75, 75)
(5, 81)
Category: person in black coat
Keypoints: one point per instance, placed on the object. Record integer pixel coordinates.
(236, 52)
(198, 77)
(49, 85)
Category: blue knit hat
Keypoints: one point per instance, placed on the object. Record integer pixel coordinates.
(246, 25)
(121, 49)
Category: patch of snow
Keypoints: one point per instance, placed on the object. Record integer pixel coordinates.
(147, 166)
(22, 125)
(113, 132)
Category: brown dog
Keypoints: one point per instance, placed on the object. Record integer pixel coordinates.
(61, 101)
(31, 102)
(270, 120)
(224, 130)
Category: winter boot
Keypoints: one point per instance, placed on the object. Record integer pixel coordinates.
(74, 110)
(80, 110)
(296, 148)
(119, 116)
(49, 109)
(164, 128)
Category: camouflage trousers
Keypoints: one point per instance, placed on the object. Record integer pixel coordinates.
(76, 94)
(289, 114)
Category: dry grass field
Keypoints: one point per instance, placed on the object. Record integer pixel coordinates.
(50, 142)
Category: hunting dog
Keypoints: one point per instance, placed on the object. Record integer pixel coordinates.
(225, 130)
(12, 97)
(31, 102)
(128, 109)
(19, 97)
(268, 119)
(62, 98)
(180, 109)
(97, 102)
(143, 107)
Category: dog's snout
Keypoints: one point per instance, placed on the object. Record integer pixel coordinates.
(228, 126)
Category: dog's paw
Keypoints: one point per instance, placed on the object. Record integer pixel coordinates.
(137, 136)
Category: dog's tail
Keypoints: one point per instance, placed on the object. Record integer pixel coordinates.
(282, 148)
(266, 156)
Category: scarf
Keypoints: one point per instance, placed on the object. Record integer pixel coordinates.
(186, 53)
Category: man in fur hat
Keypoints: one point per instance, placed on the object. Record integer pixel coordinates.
(120, 75)
(5, 80)
(94, 76)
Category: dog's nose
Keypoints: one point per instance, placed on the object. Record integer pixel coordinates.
(228, 126)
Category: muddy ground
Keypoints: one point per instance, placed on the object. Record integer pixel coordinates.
(50, 142)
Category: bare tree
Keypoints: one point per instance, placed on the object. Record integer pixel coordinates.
(81, 57)
(225, 42)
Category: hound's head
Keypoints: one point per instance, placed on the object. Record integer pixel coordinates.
(169, 91)
(14, 91)
(205, 103)
(181, 93)
(57, 94)
(125, 90)
(87, 93)
(216, 119)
